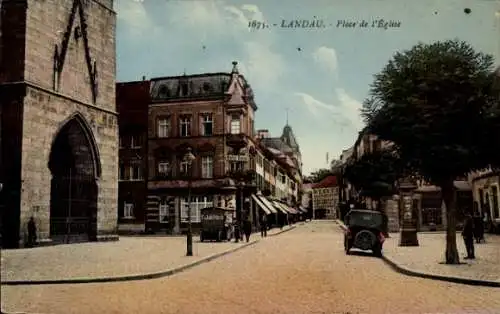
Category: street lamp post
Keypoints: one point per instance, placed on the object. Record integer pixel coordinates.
(189, 158)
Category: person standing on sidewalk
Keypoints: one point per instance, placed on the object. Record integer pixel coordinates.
(247, 228)
(263, 225)
(468, 235)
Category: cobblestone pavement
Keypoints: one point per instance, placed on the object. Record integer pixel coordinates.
(429, 257)
(129, 256)
(301, 271)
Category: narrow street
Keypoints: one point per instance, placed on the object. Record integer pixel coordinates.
(301, 271)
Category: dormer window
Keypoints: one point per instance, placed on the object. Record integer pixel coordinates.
(163, 92)
(207, 87)
(184, 89)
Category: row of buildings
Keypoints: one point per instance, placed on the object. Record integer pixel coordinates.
(479, 190)
(85, 157)
(212, 116)
(322, 198)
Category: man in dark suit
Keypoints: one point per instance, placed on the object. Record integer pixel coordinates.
(468, 235)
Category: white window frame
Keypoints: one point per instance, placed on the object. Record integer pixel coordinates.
(235, 124)
(184, 167)
(207, 119)
(163, 128)
(185, 122)
(163, 167)
(162, 211)
(131, 172)
(133, 139)
(197, 203)
(207, 167)
(128, 210)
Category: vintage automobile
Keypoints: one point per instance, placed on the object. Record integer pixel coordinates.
(215, 224)
(365, 231)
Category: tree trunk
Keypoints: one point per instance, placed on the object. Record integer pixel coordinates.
(449, 197)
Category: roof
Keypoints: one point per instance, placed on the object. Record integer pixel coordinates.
(289, 138)
(276, 143)
(329, 181)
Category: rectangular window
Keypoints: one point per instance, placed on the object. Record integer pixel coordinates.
(163, 127)
(207, 125)
(135, 173)
(197, 203)
(235, 166)
(164, 168)
(128, 210)
(184, 168)
(495, 211)
(163, 211)
(135, 141)
(207, 167)
(235, 124)
(122, 172)
(185, 126)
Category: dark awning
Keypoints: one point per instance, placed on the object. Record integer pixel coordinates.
(261, 205)
(266, 203)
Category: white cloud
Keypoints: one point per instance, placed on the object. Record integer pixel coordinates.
(134, 15)
(347, 110)
(326, 57)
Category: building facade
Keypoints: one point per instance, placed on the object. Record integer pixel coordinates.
(325, 197)
(132, 101)
(59, 148)
(485, 191)
(210, 116)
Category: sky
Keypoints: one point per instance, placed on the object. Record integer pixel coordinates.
(319, 76)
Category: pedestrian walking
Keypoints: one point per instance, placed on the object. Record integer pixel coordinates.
(468, 235)
(263, 225)
(247, 228)
(478, 226)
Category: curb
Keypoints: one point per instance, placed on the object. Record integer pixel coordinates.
(408, 272)
(156, 275)
(282, 231)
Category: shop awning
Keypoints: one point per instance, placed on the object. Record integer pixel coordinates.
(290, 209)
(261, 204)
(302, 209)
(293, 210)
(281, 208)
(267, 204)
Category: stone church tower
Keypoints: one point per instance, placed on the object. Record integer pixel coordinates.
(59, 134)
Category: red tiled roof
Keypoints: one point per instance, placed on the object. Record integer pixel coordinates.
(327, 182)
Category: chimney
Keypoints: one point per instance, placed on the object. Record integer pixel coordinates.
(263, 133)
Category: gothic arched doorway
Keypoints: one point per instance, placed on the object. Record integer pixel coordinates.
(74, 164)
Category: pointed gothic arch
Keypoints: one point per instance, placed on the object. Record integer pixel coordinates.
(75, 167)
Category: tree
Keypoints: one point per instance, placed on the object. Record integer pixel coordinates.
(319, 175)
(435, 102)
(335, 166)
(374, 174)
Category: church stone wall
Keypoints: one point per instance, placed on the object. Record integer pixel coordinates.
(46, 110)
